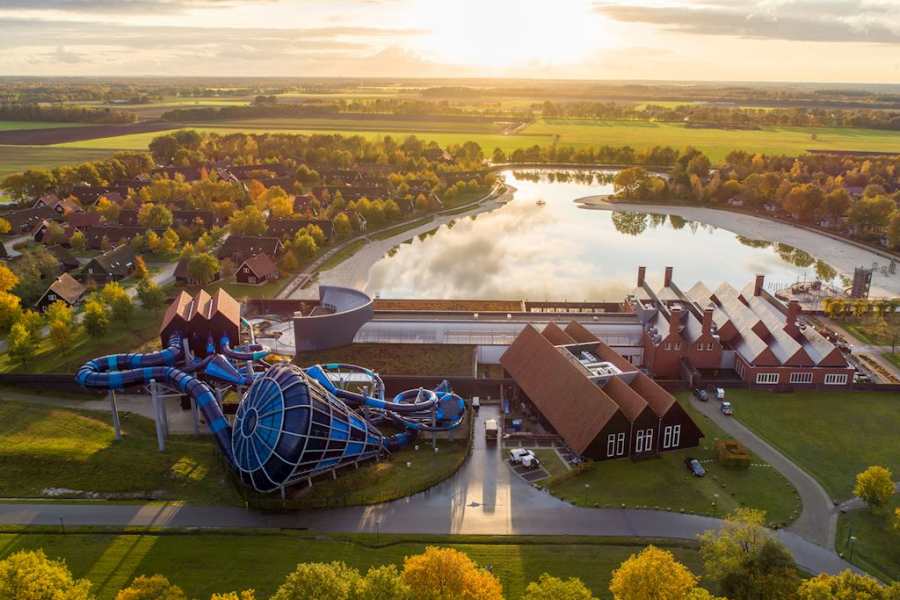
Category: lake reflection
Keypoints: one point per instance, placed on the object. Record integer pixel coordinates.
(560, 251)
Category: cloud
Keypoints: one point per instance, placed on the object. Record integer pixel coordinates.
(121, 6)
(799, 20)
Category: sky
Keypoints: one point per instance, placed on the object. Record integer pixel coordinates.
(852, 41)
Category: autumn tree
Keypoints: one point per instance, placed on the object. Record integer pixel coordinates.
(444, 573)
(245, 595)
(154, 216)
(204, 268)
(653, 573)
(249, 221)
(155, 587)
(846, 585)
(553, 588)
(150, 294)
(743, 550)
(78, 241)
(803, 201)
(342, 226)
(893, 229)
(60, 321)
(331, 581)
(872, 212)
(836, 203)
(108, 210)
(140, 268)
(5, 226)
(874, 486)
(30, 575)
(21, 344)
(117, 299)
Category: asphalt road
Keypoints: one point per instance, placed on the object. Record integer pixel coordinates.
(484, 497)
(818, 518)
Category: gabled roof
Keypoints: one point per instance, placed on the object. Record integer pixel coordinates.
(66, 287)
(202, 307)
(177, 310)
(245, 246)
(117, 261)
(556, 336)
(572, 403)
(261, 265)
(658, 398)
(65, 258)
(223, 304)
(629, 401)
(580, 333)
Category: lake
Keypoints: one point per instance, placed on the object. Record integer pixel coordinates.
(544, 246)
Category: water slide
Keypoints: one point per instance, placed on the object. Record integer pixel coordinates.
(291, 424)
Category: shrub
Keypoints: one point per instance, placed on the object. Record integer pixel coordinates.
(732, 454)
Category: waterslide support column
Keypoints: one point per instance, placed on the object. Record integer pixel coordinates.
(117, 425)
(157, 414)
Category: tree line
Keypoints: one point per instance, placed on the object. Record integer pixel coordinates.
(735, 117)
(63, 114)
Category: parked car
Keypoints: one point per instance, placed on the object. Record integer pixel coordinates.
(701, 395)
(726, 409)
(693, 465)
(476, 403)
(720, 394)
(524, 457)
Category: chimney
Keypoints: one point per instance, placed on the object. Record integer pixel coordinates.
(790, 326)
(675, 319)
(758, 286)
(642, 271)
(707, 319)
(668, 279)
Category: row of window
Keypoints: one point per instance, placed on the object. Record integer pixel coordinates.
(802, 377)
(643, 440)
(705, 347)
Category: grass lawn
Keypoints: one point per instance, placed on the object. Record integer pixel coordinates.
(894, 358)
(551, 461)
(14, 159)
(385, 480)
(342, 255)
(42, 446)
(143, 326)
(205, 563)
(392, 231)
(398, 359)
(876, 548)
(27, 125)
(863, 329)
(665, 483)
(435, 125)
(833, 435)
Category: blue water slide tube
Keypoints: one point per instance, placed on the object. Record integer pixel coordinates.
(118, 371)
(251, 352)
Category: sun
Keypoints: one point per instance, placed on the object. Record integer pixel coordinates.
(510, 33)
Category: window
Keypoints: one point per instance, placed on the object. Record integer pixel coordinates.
(801, 377)
(709, 347)
(639, 441)
(767, 378)
(700, 347)
(667, 437)
(676, 436)
(668, 346)
(836, 379)
(620, 444)
(678, 345)
(648, 440)
(611, 445)
(643, 441)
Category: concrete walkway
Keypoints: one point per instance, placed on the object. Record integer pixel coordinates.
(856, 503)
(818, 518)
(483, 497)
(858, 347)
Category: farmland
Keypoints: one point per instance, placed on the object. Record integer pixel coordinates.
(18, 158)
(30, 125)
(575, 132)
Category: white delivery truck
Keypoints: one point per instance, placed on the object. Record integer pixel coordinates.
(491, 430)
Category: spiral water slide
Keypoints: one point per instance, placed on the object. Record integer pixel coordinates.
(292, 424)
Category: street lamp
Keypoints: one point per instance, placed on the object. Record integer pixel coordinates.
(850, 542)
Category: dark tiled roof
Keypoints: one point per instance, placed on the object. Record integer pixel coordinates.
(67, 288)
(261, 265)
(247, 246)
(118, 261)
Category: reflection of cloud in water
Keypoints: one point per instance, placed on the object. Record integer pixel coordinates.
(560, 251)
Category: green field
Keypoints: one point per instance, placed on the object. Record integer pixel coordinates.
(435, 125)
(27, 125)
(637, 134)
(876, 549)
(666, 484)
(832, 435)
(203, 564)
(14, 159)
(42, 446)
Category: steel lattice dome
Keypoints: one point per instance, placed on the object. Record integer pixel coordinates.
(288, 427)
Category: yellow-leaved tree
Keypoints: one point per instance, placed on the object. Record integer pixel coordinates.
(653, 574)
(548, 587)
(30, 575)
(846, 585)
(448, 574)
(155, 587)
(875, 486)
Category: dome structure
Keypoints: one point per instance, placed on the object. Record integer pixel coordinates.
(288, 427)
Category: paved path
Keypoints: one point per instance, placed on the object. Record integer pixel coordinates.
(856, 502)
(818, 519)
(484, 497)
